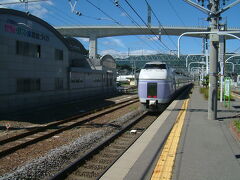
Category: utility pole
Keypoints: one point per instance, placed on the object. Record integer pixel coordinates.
(213, 13)
(206, 54)
(149, 19)
(214, 42)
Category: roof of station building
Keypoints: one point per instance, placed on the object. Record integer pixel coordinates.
(35, 19)
(76, 45)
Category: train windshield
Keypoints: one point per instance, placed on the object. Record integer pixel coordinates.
(155, 66)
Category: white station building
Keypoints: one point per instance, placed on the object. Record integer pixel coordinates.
(38, 66)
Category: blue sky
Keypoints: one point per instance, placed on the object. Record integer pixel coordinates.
(169, 13)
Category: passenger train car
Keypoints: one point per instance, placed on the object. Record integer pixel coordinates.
(158, 84)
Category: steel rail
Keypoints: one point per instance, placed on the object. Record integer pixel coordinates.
(73, 166)
(73, 124)
(38, 129)
(64, 173)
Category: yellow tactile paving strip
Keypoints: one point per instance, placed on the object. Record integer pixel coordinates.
(163, 169)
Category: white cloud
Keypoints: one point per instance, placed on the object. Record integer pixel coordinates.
(114, 53)
(83, 39)
(152, 38)
(123, 14)
(110, 51)
(36, 8)
(143, 52)
(114, 42)
(5, 4)
(50, 2)
(124, 54)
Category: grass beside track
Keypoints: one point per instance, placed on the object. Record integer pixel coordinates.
(237, 124)
(204, 91)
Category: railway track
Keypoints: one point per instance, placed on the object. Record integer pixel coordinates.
(97, 161)
(45, 167)
(19, 141)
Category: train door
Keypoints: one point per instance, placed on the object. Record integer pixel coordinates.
(152, 90)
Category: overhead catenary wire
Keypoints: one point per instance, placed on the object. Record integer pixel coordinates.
(57, 15)
(60, 17)
(110, 17)
(103, 12)
(65, 17)
(145, 23)
(74, 20)
(114, 20)
(160, 24)
(80, 14)
(176, 13)
(21, 2)
(32, 7)
(178, 16)
(133, 21)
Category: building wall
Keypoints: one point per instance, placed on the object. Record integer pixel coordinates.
(15, 66)
(40, 79)
(99, 79)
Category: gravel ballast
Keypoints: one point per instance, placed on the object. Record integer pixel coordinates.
(56, 159)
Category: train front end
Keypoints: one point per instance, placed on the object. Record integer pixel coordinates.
(155, 85)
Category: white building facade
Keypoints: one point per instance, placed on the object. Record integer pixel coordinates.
(39, 67)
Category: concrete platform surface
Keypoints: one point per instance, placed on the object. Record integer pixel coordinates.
(140, 159)
(207, 149)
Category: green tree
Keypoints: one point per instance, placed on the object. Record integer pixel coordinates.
(205, 81)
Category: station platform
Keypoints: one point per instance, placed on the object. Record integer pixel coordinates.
(204, 149)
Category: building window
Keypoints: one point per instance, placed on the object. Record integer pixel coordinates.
(28, 49)
(58, 83)
(28, 85)
(77, 81)
(58, 54)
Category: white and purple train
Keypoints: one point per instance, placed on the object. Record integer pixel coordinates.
(158, 84)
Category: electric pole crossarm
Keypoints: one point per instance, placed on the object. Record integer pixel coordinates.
(226, 33)
(228, 7)
(203, 9)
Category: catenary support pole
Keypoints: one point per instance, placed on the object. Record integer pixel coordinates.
(213, 13)
(214, 42)
(222, 63)
(207, 55)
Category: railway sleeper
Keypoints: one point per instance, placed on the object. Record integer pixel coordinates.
(94, 166)
(116, 146)
(87, 173)
(111, 154)
(123, 143)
